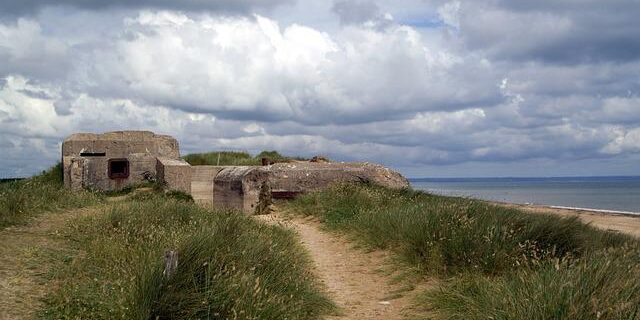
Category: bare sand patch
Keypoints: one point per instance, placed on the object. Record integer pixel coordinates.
(360, 283)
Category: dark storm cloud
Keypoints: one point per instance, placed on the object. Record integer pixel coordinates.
(562, 32)
(356, 11)
(23, 7)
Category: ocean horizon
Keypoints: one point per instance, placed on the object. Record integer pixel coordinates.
(608, 193)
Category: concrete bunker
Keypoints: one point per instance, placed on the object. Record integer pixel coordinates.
(114, 160)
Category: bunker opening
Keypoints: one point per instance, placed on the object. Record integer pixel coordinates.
(93, 154)
(118, 168)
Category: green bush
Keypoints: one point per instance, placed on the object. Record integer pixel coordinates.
(230, 158)
(179, 195)
(223, 158)
(21, 200)
(271, 155)
(229, 267)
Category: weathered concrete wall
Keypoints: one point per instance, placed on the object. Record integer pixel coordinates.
(244, 188)
(308, 176)
(86, 157)
(74, 173)
(202, 183)
(175, 174)
(119, 144)
(239, 188)
(140, 148)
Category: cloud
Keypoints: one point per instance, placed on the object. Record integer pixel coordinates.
(461, 93)
(24, 7)
(625, 141)
(25, 50)
(252, 69)
(563, 32)
(358, 12)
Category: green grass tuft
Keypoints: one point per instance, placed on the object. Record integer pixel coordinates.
(223, 158)
(229, 267)
(230, 158)
(24, 199)
(496, 262)
(446, 235)
(602, 286)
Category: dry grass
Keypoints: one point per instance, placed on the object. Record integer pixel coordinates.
(496, 262)
(230, 267)
(30, 255)
(22, 200)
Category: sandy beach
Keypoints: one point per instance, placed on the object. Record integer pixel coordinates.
(625, 223)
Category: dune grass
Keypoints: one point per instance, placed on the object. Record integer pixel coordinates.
(490, 256)
(231, 158)
(23, 199)
(603, 285)
(229, 267)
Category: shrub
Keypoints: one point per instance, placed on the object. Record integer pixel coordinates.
(223, 158)
(230, 158)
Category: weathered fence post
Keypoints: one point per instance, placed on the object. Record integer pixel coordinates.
(170, 263)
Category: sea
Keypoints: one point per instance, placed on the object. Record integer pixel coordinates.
(607, 194)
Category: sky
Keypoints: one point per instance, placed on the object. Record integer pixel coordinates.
(433, 88)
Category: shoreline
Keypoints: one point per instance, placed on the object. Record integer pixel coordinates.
(607, 212)
(619, 221)
(603, 211)
(627, 222)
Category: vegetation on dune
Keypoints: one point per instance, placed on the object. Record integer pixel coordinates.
(232, 158)
(20, 200)
(495, 255)
(229, 267)
(604, 285)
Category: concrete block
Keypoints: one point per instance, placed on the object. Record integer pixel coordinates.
(175, 173)
(202, 183)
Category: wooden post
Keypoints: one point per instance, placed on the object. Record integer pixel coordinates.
(170, 263)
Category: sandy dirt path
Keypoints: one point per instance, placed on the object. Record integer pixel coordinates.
(359, 282)
(27, 256)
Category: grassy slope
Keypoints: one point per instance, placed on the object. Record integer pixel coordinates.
(501, 263)
(230, 267)
(21, 200)
(230, 158)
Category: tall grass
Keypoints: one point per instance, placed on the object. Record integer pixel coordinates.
(229, 267)
(23, 199)
(222, 158)
(230, 158)
(602, 286)
(495, 253)
(446, 235)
